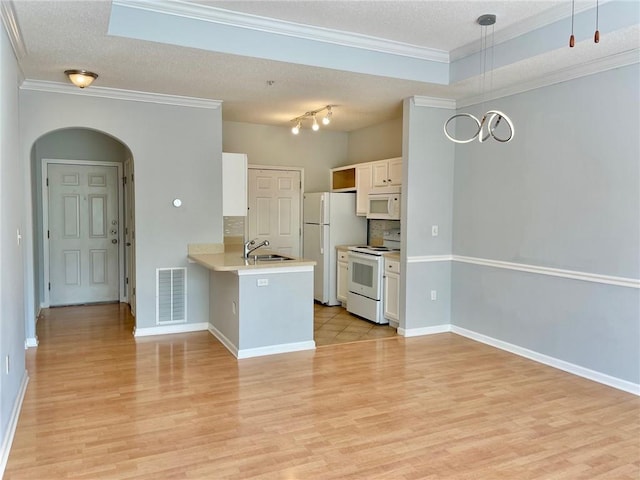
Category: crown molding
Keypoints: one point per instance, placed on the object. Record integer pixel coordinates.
(571, 73)
(434, 102)
(282, 27)
(8, 14)
(118, 94)
(527, 25)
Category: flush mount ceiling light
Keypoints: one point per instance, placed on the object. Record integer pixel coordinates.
(81, 78)
(315, 126)
(485, 128)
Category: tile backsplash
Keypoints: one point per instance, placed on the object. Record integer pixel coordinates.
(377, 227)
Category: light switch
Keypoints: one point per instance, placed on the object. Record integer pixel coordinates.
(263, 282)
(434, 230)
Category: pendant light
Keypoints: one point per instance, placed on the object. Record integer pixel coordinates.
(486, 127)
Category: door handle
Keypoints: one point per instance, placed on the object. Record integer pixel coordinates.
(114, 240)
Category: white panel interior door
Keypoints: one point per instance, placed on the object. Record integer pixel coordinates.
(274, 208)
(83, 234)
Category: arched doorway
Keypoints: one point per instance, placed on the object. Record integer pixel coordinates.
(91, 150)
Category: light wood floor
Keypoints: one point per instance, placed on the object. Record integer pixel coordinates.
(102, 405)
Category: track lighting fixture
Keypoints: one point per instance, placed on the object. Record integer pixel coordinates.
(313, 115)
(326, 120)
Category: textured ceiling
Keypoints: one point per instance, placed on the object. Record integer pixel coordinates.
(73, 34)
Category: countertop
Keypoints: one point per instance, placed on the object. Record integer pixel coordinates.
(230, 259)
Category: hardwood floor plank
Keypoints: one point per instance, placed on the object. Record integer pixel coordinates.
(103, 405)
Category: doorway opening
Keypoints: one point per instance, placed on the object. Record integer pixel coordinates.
(84, 220)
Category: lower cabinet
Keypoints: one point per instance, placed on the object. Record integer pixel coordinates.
(342, 275)
(392, 290)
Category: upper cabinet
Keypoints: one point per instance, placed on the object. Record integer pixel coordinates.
(387, 173)
(363, 187)
(343, 179)
(364, 178)
(234, 184)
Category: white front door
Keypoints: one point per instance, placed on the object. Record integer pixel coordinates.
(274, 209)
(83, 233)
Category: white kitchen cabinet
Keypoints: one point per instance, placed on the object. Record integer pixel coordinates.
(342, 280)
(234, 184)
(387, 173)
(392, 290)
(363, 187)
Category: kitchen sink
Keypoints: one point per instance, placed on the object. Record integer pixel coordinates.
(269, 257)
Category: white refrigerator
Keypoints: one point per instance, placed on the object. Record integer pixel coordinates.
(329, 220)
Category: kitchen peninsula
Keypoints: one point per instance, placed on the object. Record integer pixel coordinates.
(258, 307)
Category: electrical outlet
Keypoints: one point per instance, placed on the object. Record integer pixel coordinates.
(434, 295)
(263, 282)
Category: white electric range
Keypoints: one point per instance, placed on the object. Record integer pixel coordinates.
(366, 270)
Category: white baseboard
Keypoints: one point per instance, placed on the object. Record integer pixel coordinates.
(416, 332)
(170, 329)
(31, 342)
(13, 423)
(275, 349)
(605, 379)
(260, 351)
(228, 344)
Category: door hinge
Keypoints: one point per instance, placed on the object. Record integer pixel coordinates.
(124, 180)
(126, 281)
(132, 178)
(49, 286)
(134, 291)
(47, 181)
(48, 234)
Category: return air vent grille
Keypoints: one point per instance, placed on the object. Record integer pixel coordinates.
(171, 295)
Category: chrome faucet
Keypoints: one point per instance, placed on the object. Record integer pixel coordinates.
(250, 246)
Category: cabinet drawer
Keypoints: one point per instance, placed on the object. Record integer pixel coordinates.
(392, 266)
(343, 255)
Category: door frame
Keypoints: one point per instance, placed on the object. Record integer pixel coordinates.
(287, 169)
(122, 296)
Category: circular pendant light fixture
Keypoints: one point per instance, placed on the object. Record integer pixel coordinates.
(485, 128)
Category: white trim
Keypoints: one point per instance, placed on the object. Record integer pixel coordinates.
(554, 272)
(228, 344)
(290, 29)
(45, 223)
(417, 332)
(120, 94)
(170, 329)
(538, 269)
(422, 101)
(11, 24)
(429, 258)
(12, 424)
(614, 382)
(31, 342)
(558, 76)
(275, 349)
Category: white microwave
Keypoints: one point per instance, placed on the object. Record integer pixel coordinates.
(384, 206)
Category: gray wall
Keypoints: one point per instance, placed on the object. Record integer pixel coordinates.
(67, 144)
(316, 152)
(177, 153)
(427, 186)
(376, 143)
(13, 197)
(565, 194)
